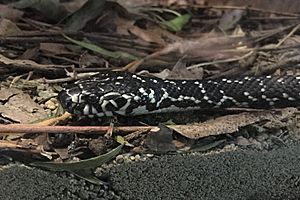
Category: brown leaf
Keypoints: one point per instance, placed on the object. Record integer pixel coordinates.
(28, 64)
(180, 72)
(147, 35)
(154, 34)
(50, 9)
(122, 25)
(7, 27)
(74, 5)
(19, 107)
(230, 19)
(161, 141)
(210, 48)
(205, 48)
(10, 13)
(230, 123)
(54, 48)
(87, 60)
(62, 152)
(30, 53)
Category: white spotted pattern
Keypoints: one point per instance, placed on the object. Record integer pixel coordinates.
(130, 94)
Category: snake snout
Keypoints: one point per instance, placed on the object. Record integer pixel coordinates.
(80, 102)
(66, 101)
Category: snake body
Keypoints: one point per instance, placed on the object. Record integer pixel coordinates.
(120, 93)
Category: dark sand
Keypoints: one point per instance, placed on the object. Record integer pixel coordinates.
(232, 175)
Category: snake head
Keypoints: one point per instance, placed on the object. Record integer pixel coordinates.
(94, 100)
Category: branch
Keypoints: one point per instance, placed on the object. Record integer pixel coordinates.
(30, 128)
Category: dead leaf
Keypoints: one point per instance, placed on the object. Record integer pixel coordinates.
(51, 104)
(54, 48)
(180, 72)
(19, 107)
(29, 64)
(62, 152)
(148, 35)
(87, 60)
(10, 13)
(90, 10)
(211, 48)
(205, 48)
(136, 134)
(50, 9)
(7, 27)
(5, 94)
(74, 5)
(161, 141)
(230, 19)
(123, 25)
(230, 123)
(30, 53)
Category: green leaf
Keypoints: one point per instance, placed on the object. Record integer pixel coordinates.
(121, 140)
(83, 164)
(102, 51)
(177, 23)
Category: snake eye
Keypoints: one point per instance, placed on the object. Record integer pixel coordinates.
(93, 99)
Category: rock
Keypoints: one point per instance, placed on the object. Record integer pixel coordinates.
(242, 141)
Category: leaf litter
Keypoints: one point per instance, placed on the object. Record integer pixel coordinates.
(39, 54)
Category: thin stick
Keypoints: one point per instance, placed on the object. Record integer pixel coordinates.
(30, 128)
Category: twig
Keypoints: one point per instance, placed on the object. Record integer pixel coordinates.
(30, 128)
(247, 8)
(220, 61)
(71, 78)
(20, 147)
(288, 35)
(31, 65)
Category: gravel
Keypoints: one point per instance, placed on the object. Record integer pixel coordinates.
(230, 175)
(235, 175)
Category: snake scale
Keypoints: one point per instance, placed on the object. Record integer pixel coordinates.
(121, 93)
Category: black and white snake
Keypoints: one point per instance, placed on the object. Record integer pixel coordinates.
(120, 93)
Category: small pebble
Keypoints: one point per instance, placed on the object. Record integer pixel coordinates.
(266, 145)
(137, 157)
(143, 159)
(229, 147)
(256, 144)
(262, 137)
(149, 155)
(132, 158)
(127, 159)
(260, 129)
(120, 159)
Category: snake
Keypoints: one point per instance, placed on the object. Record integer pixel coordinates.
(110, 94)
